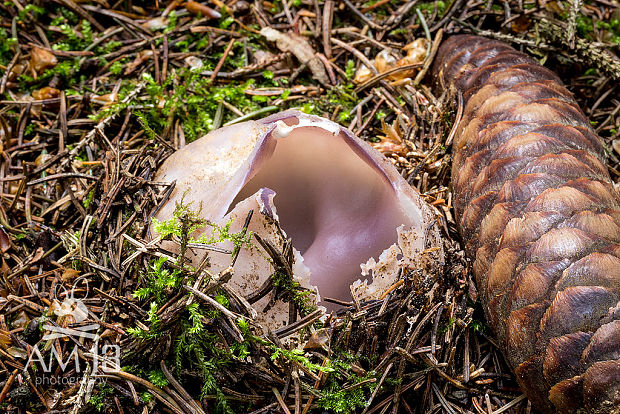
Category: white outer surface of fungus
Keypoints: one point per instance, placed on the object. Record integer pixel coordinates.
(340, 201)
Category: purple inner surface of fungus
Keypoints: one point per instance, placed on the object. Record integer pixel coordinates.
(339, 208)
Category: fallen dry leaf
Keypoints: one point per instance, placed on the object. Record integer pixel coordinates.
(385, 60)
(263, 57)
(141, 57)
(362, 74)
(106, 99)
(41, 59)
(35, 109)
(5, 339)
(318, 339)
(155, 24)
(16, 352)
(416, 51)
(521, 24)
(4, 269)
(554, 6)
(299, 47)
(38, 254)
(69, 274)
(389, 59)
(391, 142)
(21, 320)
(194, 62)
(42, 159)
(17, 70)
(5, 242)
(46, 93)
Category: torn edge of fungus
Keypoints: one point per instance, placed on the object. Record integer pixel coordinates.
(253, 267)
(404, 255)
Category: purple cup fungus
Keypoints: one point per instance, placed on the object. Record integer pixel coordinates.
(341, 202)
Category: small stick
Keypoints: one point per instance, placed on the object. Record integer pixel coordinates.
(280, 400)
(430, 56)
(7, 385)
(361, 15)
(357, 54)
(251, 115)
(328, 14)
(164, 65)
(157, 392)
(222, 60)
(7, 72)
(217, 306)
(244, 231)
(79, 10)
(179, 388)
(383, 75)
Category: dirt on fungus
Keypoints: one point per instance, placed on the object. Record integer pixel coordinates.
(96, 95)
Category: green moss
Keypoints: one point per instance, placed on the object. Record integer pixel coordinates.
(297, 355)
(6, 50)
(160, 281)
(584, 25)
(429, 7)
(347, 399)
(30, 11)
(172, 21)
(399, 32)
(146, 396)
(192, 99)
(613, 24)
(350, 69)
(613, 27)
(196, 347)
(226, 22)
(69, 16)
(295, 292)
(88, 199)
(199, 350)
(103, 393)
(157, 377)
(72, 40)
(156, 280)
(109, 47)
(65, 70)
(116, 68)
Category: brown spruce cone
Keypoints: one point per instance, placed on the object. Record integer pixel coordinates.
(541, 220)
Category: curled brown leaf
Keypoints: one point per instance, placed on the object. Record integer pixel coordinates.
(41, 59)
